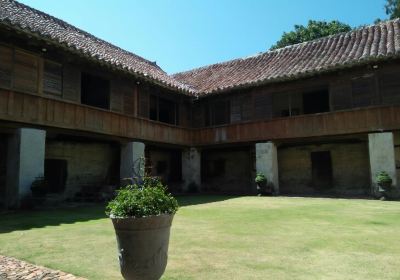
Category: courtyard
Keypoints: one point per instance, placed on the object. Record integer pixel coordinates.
(220, 237)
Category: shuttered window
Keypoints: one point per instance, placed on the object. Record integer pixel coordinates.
(6, 60)
(26, 68)
(363, 91)
(389, 85)
(52, 78)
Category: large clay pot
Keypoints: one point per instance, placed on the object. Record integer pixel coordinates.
(143, 246)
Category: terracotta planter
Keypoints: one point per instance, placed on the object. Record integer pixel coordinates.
(143, 246)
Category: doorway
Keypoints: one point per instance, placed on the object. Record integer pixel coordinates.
(55, 172)
(321, 163)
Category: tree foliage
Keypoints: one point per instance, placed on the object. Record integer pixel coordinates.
(314, 30)
(392, 8)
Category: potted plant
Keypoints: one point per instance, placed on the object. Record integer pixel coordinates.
(384, 184)
(142, 215)
(261, 182)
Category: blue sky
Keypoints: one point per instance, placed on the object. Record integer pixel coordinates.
(185, 34)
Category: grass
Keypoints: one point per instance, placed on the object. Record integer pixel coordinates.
(225, 238)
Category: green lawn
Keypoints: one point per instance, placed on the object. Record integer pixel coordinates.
(226, 238)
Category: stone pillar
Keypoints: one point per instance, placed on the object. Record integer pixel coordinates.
(381, 155)
(25, 162)
(267, 163)
(191, 168)
(132, 160)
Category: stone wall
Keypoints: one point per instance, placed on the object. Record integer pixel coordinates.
(396, 140)
(88, 164)
(350, 168)
(228, 171)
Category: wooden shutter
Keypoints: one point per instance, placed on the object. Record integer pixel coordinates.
(143, 103)
(241, 108)
(52, 78)
(340, 92)
(198, 114)
(129, 99)
(262, 105)
(363, 91)
(220, 112)
(116, 96)
(6, 65)
(26, 68)
(389, 86)
(71, 83)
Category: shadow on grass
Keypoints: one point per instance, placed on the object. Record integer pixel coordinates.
(30, 219)
(25, 220)
(187, 200)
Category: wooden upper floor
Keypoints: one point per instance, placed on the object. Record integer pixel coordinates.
(44, 85)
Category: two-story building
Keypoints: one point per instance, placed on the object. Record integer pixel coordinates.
(320, 117)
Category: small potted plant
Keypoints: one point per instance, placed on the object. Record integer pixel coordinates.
(384, 184)
(142, 214)
(261, 182)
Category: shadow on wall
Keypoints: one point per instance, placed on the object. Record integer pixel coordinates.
(25, 220)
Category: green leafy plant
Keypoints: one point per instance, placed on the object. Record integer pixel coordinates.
(260, 178)
(149, 198)
(383, 178)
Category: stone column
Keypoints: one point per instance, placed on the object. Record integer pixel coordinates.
(25, 162)
(191, 168)
(267, 163)
(132, 160)
(381, 155)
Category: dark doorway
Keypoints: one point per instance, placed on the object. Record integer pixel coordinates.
(55, 172)
(176, 166)
(316, 102)
(95, 91)
(321, 163)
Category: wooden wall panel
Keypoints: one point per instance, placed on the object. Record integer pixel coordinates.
(144, 102)
(364, 120)
(6, 66)
(340, 94)
(262, 105)
(129, 99)
(36, 110)
(26, 72)
(71, 83)
(389, 86)
(116, 95)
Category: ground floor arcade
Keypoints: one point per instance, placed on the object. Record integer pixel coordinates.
(77, 166)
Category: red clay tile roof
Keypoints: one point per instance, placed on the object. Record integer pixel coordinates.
(363, 45)
(27, 19)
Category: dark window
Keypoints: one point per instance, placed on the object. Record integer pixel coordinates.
(52, 78)
(163, 110)
(167, 111)
(161, 167)
(95, 91)
(153, 108)
(55, 172)
(321, 163)
(316, 102)
(217, 113)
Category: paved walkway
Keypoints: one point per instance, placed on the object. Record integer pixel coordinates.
(13, 269)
